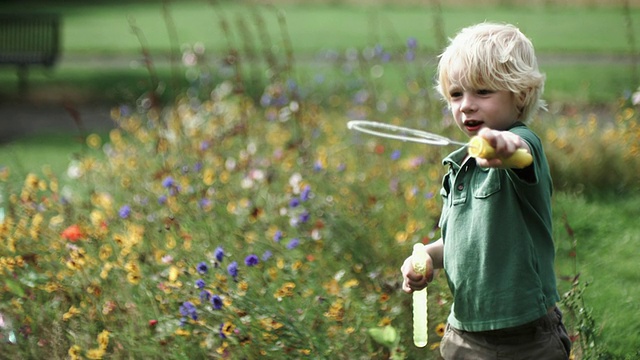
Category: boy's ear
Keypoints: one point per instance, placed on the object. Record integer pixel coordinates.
(521, 98)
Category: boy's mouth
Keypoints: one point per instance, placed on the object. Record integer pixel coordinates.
(473, 125)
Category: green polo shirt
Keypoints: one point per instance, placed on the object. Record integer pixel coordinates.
(498, 246)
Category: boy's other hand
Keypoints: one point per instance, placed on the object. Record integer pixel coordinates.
(412, 281)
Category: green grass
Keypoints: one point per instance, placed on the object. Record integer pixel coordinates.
(607, 234)
(313, 29)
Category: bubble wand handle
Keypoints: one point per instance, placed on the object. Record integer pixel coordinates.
(419, 261)
(480, 148)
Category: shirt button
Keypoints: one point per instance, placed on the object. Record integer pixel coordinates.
(460, 187)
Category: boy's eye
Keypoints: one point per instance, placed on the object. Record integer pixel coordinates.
(484, 92)
(455, 94)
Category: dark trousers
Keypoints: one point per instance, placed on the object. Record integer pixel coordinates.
(545, 338)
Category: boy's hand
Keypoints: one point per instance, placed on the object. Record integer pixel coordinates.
(411, 280)
(505, 144)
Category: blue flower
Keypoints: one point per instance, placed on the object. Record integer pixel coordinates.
(277, 236)
(200, 283)
(216, 302)
(205, 295)
(125, 211)
(251, 260)
(395, 155)
(221, 331)
(232, 269)
(306, 193)
(219, 253)
(412, 43)
(162, 199)
(294, 202)
(202, 267)
(168, 182)
(187, 309)
(267, 255)
(304, 217)
(317, 166)
(293, 243)
(204, 203)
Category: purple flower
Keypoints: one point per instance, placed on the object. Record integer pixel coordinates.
(412, 43)
(205, 295)
(251, 260)
(232, 269)
(216, 301)
(187, 309)
(410, 55)
(200, 283)
(267, 255)
(317, 166)
(277, 236)
(204, 203)
(125, 211)
(294, 202)
(304, 217)
(219, 253)
(395, 155)
(306, 193)
(162, 199)
(202, 267)
(221, 331)
(293, 243)
(168, 182)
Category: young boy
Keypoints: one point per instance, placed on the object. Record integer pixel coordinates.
(496, 247)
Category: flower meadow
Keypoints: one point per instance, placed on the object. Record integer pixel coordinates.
(208, 229)
(224, 225)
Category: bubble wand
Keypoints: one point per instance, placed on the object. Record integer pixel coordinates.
(477, 147)
(419, 262)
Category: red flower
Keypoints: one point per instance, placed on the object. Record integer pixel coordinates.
(72, 233)
(153, 323)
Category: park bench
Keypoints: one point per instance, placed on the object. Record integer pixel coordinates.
(27, 40)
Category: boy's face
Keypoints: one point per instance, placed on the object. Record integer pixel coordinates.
(476, 108)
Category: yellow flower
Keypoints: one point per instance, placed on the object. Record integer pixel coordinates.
(95, 353)
(285, 290)
(220, 350)
(105, 252)
(133, 278)
(71, 313)
(94, 141)
(434, 346)
(440, 328)
(351, 283)
(182, 332)
(103, 339)
(74, 352)
(336, 311)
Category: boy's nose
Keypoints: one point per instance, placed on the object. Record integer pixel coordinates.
(467, 104)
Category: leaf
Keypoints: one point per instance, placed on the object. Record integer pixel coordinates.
(387, 336)
(14, 287)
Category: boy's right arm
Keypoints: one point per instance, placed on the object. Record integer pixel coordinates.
(413, 281)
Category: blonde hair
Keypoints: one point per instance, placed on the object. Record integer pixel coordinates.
(495, 57)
